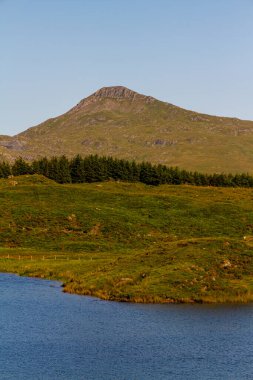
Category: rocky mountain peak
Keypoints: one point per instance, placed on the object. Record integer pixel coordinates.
(119, 93)
(116, 92)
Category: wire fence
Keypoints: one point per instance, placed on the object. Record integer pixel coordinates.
(42, 257)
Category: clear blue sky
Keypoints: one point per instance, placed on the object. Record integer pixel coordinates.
(197, 54)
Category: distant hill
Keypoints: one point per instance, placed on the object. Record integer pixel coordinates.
(119, 122)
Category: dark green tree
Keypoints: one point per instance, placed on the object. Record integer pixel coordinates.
(21, 167)
(5, 170)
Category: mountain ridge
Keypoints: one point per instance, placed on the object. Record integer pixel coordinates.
(120, 122)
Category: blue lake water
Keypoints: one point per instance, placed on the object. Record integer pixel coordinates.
(46, 334)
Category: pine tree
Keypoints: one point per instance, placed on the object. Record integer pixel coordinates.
(5, 170)
(77, 171)
(21, 167)
(63, 170)
(41, 166)
(53, 168)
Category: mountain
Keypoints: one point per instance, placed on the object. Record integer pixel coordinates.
(122, 123)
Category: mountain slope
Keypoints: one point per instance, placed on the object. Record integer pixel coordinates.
(119, 122)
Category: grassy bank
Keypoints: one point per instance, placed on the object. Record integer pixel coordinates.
(130, 242)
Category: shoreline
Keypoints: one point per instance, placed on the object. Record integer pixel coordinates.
(148, 300)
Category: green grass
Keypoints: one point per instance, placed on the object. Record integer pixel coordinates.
(130, 242)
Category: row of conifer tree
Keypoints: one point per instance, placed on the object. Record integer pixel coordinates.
(97, 169)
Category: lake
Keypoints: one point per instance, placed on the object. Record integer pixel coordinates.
(46, 334)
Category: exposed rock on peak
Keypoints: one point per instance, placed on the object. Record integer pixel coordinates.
(117, 92)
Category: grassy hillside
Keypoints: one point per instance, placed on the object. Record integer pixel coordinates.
(121, 123)
(130, 242)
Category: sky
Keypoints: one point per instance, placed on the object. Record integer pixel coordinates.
(197, 54)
